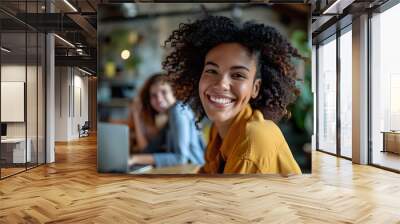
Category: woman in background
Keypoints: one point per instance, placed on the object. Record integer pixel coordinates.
(148, 111)
(164, 129)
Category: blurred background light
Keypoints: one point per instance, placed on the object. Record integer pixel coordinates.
(125, 54)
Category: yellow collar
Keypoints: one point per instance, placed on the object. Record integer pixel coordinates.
(238, 125)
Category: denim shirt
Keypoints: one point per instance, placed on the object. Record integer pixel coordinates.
(182, 142)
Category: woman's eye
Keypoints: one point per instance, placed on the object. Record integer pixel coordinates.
(238, 76)
(211, 71)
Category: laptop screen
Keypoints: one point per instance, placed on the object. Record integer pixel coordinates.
(112, 153)
(3, 129)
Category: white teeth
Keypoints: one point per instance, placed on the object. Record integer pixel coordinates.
(221, 100)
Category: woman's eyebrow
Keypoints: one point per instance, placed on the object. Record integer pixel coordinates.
(212, 63)
(240, 67)
(233, 67)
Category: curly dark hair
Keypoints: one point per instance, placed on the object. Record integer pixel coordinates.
(191, 42)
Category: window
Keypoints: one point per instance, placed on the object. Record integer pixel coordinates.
(346, 93)
(385, 88)
(327, 96)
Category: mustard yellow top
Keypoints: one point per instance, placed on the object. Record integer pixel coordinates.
(251, 145)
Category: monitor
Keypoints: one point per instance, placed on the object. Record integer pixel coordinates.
(3, 129)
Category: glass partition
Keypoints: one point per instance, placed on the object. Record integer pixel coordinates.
(22, 90)
(14, 152)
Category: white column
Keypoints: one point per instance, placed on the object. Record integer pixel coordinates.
(50, 93)
(360, 90)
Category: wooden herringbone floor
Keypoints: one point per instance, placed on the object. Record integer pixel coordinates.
(71, 191)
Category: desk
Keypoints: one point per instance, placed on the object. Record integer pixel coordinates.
(391, 141)
(181, 169)
(15, 148)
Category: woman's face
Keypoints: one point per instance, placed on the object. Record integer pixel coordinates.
(227, 82)
(161, 97)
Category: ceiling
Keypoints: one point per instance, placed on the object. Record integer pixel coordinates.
(76, 20)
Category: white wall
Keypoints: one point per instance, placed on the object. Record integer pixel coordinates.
(71, 94)
(61, 103)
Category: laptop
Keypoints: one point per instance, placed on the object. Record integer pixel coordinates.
(3, 131)
(113, 150)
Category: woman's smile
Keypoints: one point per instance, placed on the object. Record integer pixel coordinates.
(220, 101)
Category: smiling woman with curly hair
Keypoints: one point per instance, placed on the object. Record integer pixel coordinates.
(240, 77)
